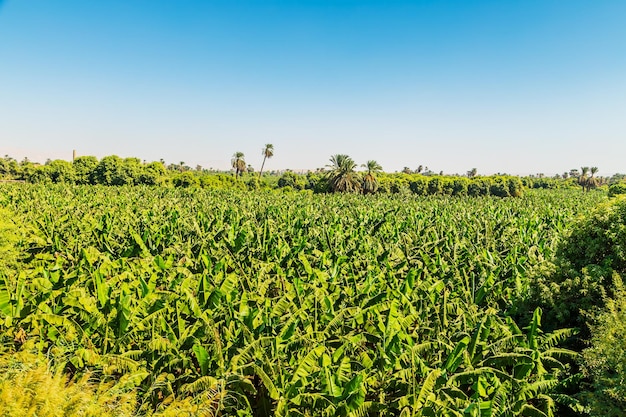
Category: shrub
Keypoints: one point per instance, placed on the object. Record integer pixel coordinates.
(585, 265)
(186, 179)
(253, 183)
(499, 187)
(435, 186)
(605, 360)
(419, 185)
(460, 186)
(478, 186)
(515, 186)
(290, 179)
(617, 189)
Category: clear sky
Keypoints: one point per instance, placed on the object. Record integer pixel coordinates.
(504, 86)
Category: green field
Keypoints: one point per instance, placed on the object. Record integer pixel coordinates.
(267, 303)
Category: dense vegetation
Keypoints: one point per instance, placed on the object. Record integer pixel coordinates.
(339, 176)
(231, 302)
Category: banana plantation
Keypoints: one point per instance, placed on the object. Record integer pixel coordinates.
(202, 302)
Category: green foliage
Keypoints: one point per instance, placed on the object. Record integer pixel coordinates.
(317, 182)
(290, 179)
(186, 179)
(342, 177)
(84, 167)
(271, 303)
(459, 186)
(605, 360)
(591, 254)
(60, 171)
(617, 188)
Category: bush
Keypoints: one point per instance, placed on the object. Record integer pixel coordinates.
(253, 183)
(186, 179)
(419, 185)
(605, 360)
(617, 189)
(515, 186)
(460, 186)
(289, 179)
(499, 187)
(585, 265)
(478, 186)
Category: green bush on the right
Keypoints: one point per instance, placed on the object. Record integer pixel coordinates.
(617, 189)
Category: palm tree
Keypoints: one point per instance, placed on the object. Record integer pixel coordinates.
(370, 185)
(267, 152)
(592, 182)
(342, 177)
(582, 179)
(238, 163)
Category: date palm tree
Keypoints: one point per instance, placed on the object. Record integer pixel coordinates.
(592, 182)
(370, 185)
(582, 179)
(267, 152)
(238, 163)
(342, 177)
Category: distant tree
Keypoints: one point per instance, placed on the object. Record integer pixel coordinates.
(342, 177)
(60, 171)
(565, 175)
(250, 169)
(238, 163)
(110, 171)
(289, 179)
(406, 170)
(420, 169)
(84, 167)
(185, 179)
(370, 185)
(153, 173)
(472, 173)
(617, 178)
(582, 178)
(592, 181)
(267, 152)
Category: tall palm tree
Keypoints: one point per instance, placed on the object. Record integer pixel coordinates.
(592, 182)
(238, 163)
(342, 177)
(267, 152)
(370, 185)
(582, 179)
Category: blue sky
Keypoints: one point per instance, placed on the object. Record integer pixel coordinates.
(504, 86)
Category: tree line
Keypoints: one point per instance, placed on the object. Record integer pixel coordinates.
(340, 175)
